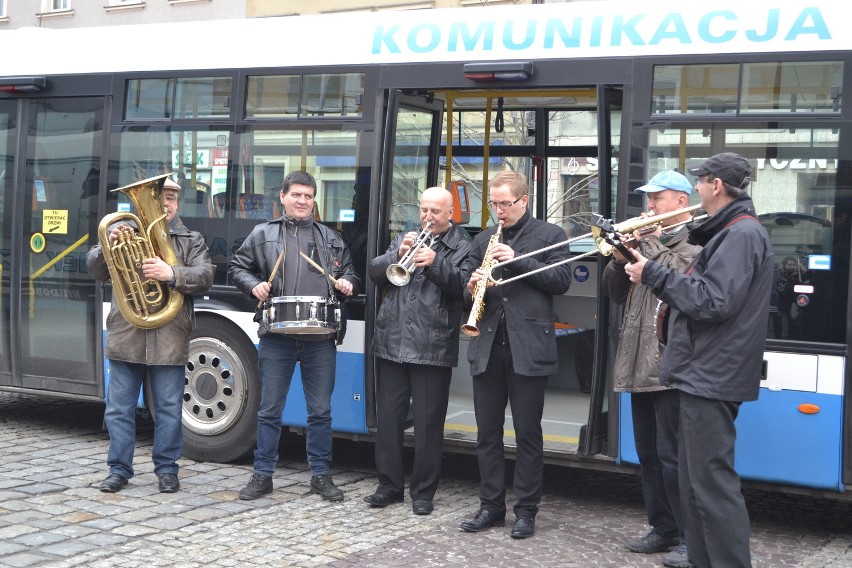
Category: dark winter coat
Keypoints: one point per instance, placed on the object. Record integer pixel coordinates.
(637, 363)
(254, 260)
(169, 344)
(419, 322)
(527, 303)
(720, 308)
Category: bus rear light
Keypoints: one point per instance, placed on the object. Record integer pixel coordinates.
(808, 408)
(499, 71)
(22, 84)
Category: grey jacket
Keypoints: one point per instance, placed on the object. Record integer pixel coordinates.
(637, 364)
(527, 303)
(169, 344)
(254, 260)
(720, 307)
(419, 322)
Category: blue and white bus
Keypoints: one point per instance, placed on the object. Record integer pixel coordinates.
(589, 99)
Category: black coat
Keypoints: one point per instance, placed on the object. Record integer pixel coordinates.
(527, 303)
(720, 308)
(254, 260)
(419, 322)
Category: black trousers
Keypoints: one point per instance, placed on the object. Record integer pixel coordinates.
(427, 387)
(492, 389)
(717, 525)
(656, 415)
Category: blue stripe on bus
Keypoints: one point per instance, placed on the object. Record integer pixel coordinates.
(775, 441)
(348, 407)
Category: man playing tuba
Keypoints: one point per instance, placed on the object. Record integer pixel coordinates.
(159, 353)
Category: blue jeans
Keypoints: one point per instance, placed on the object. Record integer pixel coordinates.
(277, 357)
(167, 386)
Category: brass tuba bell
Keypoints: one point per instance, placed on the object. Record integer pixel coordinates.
(144, 302)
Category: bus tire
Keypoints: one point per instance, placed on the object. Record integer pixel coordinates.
(222, 393)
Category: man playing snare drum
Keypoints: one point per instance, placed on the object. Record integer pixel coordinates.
(256, 270)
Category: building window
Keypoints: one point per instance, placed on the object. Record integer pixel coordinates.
(56, 5)
(2, 8)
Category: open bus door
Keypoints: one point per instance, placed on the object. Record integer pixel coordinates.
(409, 164)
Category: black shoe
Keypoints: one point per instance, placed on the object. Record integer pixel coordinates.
(258, 485)
(422, 507)
(484, 519)
(524, 527)
(381, 499)
(113, 483)
(677, 558)
(323, 485)
(169, 483)
(653, 542)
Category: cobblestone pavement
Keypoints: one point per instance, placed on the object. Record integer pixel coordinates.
(51, 513)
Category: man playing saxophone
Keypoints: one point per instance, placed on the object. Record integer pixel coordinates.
(514, 353)
(160, 353)
(416, 344)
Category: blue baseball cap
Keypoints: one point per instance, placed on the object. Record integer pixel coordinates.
(668, 179)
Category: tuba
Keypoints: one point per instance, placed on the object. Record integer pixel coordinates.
(144, 302)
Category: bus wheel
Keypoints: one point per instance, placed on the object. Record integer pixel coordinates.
(222, 393)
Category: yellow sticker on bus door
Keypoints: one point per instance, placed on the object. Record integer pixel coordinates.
(54, 221)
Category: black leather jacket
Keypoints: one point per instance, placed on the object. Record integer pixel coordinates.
(419, 322)
(254, 260)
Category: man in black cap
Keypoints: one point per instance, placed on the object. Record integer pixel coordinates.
(714, 356)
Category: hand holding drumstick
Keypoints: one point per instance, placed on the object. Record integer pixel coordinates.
(261, 291)
(341, 284)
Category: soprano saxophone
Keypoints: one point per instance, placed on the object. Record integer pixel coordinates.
(479, 292)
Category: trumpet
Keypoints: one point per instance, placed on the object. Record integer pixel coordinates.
(400, 272)
(606, 235)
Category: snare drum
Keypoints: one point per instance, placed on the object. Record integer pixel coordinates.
(301, 314)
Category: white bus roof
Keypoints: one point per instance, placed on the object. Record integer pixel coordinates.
(527, 32)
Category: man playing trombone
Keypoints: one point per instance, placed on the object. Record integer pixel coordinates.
(514, 352)
(416, 343)
(637, 367)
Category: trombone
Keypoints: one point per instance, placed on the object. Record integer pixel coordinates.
(606, 235)
(399, 273)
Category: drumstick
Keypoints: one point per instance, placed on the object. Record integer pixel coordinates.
(318, 267)
(272, 276)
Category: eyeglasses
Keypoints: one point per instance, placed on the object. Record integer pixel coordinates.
(170, 198)
(706, 179)
(503, 204)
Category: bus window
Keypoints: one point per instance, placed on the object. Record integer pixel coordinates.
(801, 204)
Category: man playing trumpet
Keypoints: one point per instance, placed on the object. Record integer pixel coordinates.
(513, 354)
(416, 343)
(637, 367)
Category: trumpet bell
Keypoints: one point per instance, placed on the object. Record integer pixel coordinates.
(398, 275)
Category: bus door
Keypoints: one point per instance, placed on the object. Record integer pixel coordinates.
(559, 139)
(51, 338)
(410, 153)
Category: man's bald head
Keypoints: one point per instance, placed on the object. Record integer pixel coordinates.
(436, 205)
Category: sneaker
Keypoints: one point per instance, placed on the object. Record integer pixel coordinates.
(653, 542)
(323, 485)
(677, 558)
(258, 485)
